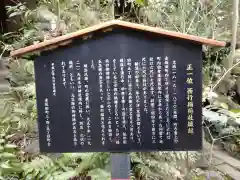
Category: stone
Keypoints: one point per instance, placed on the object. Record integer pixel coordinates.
(32, 148)
(4, 88)
(230, 171)
(227, 159)
(222, 161)
(3, 74)
(214, 175)
(224, 86)
(217, 161)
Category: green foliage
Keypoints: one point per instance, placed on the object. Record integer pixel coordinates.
(222, 125)
(20, 109)
(10, 165)
(99, 174)
(161, 165)
(68, 166)
(186, 16)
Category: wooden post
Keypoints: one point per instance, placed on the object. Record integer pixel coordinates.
(120, 166)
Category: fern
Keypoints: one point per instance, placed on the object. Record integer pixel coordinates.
(99, 174)
(10, 165)
(20, 110)
(96, 160)
(66, 166)
(157, 165)
(45, 168)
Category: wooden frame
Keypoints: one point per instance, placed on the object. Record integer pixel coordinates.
(68, 37)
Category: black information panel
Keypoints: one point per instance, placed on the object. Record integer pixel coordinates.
(120, 91)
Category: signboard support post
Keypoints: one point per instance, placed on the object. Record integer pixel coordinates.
(120, 163)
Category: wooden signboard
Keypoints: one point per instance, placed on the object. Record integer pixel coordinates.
(134, 88)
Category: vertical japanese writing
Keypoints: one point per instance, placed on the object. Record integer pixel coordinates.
(80, 104)
(47, 121)
(108, 92)
(87, 104)
(174, 100)
(73, 103)
(190, 99)
(123, 101)
(63, 73)
(74, 123)
(152, 99)
(100, 75)
(53, 79)
(138, 113)
(130, 99)
(116, 100)
(166, 97)
(159, 98)
(72, 82)
(144, 84)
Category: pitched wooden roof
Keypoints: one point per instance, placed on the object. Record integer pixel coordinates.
(42, 45)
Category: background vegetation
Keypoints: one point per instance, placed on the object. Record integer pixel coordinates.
(19, 151)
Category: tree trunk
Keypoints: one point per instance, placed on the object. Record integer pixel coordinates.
(235, 18)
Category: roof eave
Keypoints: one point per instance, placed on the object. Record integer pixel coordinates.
(82, 32)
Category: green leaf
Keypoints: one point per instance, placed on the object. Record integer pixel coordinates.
(140, 2)
(66, 175)
(29, 177)
(7, 110)
(5, 166)
(29, 33)
(20, 111)
(2, 141)
(44, 174)
(10, 136)
(35, 173)
(7, 119)
(15, 119)
(19, 165)
(15, 14)
(235, 110)
(10, 146)
(99, 174)
(224, 105)
(1, 148)
(7, 155)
